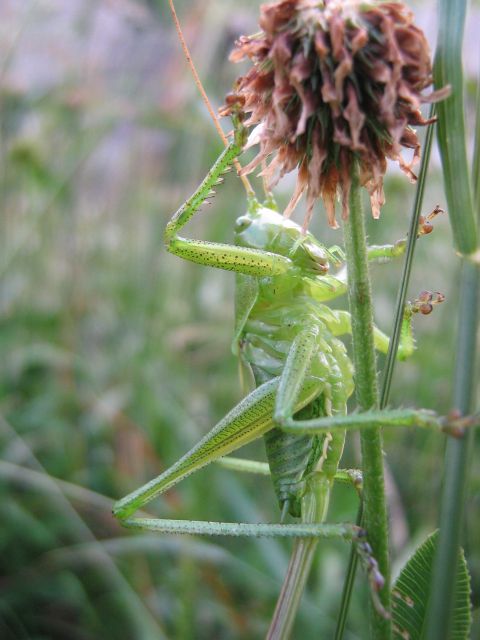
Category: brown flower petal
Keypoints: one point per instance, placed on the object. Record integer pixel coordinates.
(333, 83)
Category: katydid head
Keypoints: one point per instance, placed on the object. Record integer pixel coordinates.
(264, 228)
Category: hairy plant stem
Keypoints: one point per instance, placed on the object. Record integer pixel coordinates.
(366, 388)
(392, 350)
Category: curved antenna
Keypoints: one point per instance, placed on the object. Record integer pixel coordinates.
(203, 93)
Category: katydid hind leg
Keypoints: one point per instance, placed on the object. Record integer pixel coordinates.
(250, 419)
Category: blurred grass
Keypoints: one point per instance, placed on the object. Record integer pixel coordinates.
(116, 357)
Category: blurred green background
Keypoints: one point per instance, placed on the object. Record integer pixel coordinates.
(115, 357)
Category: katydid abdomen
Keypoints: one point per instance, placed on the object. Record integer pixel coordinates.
(271, 312)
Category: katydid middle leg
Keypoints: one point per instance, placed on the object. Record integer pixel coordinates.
(352, 477)
(340, 323)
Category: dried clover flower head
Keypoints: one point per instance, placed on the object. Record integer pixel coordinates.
(332, 82)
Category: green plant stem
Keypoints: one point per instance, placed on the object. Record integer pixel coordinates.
(392, 351)
(456, 462)
(451, 124)
(457, 452)
(366, 386)
(407, 267)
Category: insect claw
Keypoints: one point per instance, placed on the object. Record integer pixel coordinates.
(375, 578)
(234, 107)
(455, 424)
(356, 478)
(360, 533)
(399, 246)
(424, 223)
(425, 302)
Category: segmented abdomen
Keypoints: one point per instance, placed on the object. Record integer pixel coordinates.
(291, 458)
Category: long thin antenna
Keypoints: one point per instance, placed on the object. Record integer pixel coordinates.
(198, 82)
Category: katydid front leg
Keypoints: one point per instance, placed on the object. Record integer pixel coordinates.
(377, 253)
(385, 253)
(244, 260)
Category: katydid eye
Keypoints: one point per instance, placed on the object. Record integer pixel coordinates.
(242, 223)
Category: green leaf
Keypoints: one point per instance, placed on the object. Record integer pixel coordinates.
(448, 71)
(411, 594)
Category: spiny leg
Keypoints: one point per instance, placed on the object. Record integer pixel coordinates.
(304, 348)
(248, 420)
(244, 260)
(346, 531)
(351, 477)
(452, 424)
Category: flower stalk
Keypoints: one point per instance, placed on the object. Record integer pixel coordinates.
(360, 301)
